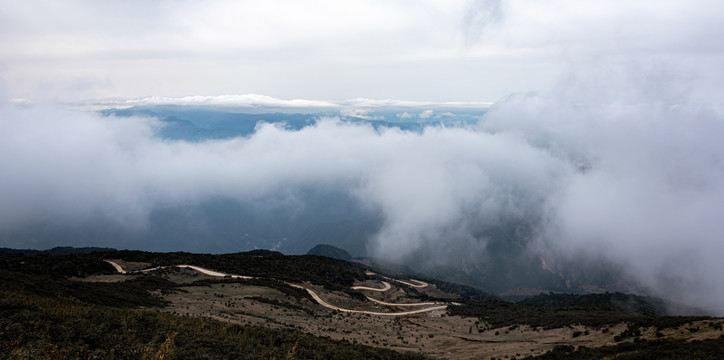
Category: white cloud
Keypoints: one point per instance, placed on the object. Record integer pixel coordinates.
(425, 114)
(359, 106)
(248, 100)
(445, 114)
(20, 101)
(649, 175)
(392, 103)
(366, 114)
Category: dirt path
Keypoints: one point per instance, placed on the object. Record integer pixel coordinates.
(403, 304)
(115, 265)
(214, 273)
(386, 286)
(312, 293)
(417, 284)
(321, 301)
(420, 284)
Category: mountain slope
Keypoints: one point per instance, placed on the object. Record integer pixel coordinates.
(273, 313)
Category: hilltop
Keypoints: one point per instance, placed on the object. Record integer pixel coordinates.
(330, 251)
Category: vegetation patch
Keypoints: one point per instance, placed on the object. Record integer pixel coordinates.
(661, 349)
(279, 303)
(556, 311)
(284, 288)
(130, 293)
(34, 327)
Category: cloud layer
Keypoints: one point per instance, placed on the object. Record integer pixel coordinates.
(646, 189)
(636, 180)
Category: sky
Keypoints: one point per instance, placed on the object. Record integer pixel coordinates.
(326, 50)
(602, 122)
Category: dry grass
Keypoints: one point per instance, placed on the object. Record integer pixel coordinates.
(433, 333)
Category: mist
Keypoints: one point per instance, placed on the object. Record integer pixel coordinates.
(647, 186)
(78, 165)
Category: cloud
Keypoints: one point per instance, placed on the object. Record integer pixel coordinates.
(481, 50)
(405, 115)
(247, 100)
(426, 114)
(392, 103)
(73, 165)
(20, 101)
(643, 27)
(282, 48)
(481, 18)
(366, 114)
(263, 101)
(648, 175)
(67, 166)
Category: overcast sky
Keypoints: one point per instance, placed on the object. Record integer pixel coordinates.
(331, 50)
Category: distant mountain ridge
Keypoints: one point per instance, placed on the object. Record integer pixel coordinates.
(199, 125)
(58, 250)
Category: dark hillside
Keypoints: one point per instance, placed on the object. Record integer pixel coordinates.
(561, 310)
(57, 266)
(330, 251)
(643, 305)
(34, 327)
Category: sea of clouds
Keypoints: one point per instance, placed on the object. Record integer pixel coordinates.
(638, 180)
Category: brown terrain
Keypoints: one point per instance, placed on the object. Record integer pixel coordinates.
(385, 322)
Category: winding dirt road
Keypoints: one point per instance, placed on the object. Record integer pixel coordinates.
(314, 295)
(214, 273)
(403, 304)
(419, 284)
(401, 313)
(386, 287)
